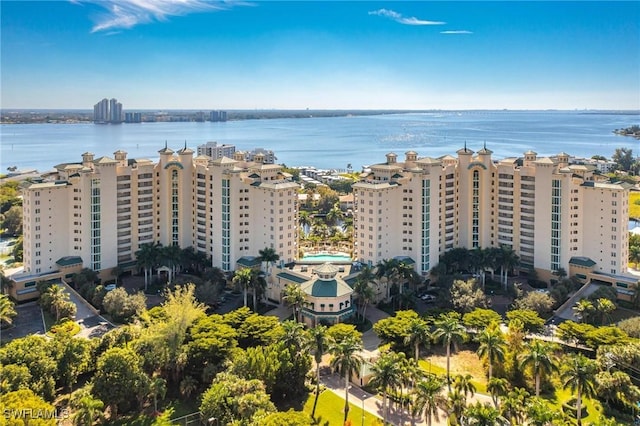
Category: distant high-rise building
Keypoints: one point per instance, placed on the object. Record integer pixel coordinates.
(215, 151)
(107, 111)
(133, 117)
(101, 111)
(216, 116)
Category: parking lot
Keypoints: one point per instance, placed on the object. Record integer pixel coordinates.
(28, 321)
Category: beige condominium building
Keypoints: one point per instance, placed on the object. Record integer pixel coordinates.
(98, 212)
(547, 210)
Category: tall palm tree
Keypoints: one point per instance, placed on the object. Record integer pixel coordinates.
(294, 296)
(449, 331)
(388, 269)
(509, 260)
(539, 355)
(346, 360)
(334, 215)
(170, 256)
(464, 385)
(418, 335)
(481, 414)
(294, 335)
(7, 311)
(363, 289)
(258, 284)
(578, 375)
(492, 346)
(429, 398)
(318, 343)
(304, 220)
(88, 409)
(513, 405)
(584, 309)
(269, 256)
(242, 279)
(604, 307)
(386, 376)
(497, 387)
(56, 297)
(147, 258)
(456, 403)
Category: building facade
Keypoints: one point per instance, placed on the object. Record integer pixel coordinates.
(101, 210)
(545, 209)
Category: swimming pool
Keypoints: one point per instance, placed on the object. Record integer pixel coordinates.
(322, 257)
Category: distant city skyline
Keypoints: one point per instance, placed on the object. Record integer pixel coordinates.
(207, 55)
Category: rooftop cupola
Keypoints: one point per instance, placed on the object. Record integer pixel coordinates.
(258, 158)
(411, 156)
(87, 159)
(391, 158)
(238, 155)
(326, 271)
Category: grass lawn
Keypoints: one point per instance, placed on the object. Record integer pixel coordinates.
(49, 320)
(634, 204)
(593, 407)
(329, 411)
(462, 362)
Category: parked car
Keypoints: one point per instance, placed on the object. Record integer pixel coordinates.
(110, 287)
(428, 297)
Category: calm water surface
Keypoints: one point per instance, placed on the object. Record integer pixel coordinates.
(328, 142)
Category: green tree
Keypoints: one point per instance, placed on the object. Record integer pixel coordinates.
(122, 306)
(529, 319)
(497, 387)
(73, 357)
(14, 377)
(578, 375)
(157, 389)
(269, 256)
(7, 311)
(242, 279)
(542, 303)
(363, 289)
(617, 389)
(12, 221)
(429, 398)
(623, 157)
(449, 331)
(417, 335)
(513, 405)
(119, 379)
(396, 330)
(294, 297)
(24, 407)
(480, 318)
(346, 360)
(464, 385)
(492, 346)
(318, 344)
(54, 299)
(230, 398)
(35, 353)
(147, 257)
(540, 357)
(604, 307)
(481, 414)
(284, 418)
(467, 296)
(87, 409)
(584, 310)
(386, 376)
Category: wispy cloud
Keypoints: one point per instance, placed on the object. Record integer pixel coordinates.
(129, 13)
(395, 16)
(456, 32)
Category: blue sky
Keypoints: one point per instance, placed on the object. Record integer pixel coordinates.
(158, 54)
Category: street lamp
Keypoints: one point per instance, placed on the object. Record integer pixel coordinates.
(363, 398)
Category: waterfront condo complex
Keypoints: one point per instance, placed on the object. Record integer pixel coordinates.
(98, 212)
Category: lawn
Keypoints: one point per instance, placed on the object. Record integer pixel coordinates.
(462, 362)
(593, 407)
(329, 411)
(634, 204)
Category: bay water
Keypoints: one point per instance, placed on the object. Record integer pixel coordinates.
(332, 142)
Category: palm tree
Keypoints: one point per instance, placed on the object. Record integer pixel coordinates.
(334, 215)
(497, 387)
(363, 289)
(318, 344)
(481, 414)
(346, 361)
(604, 307)
(304, 220)
(583, 309)
(57, 297)
(147, 257)
(242, 279)
(7, 311)
(513, 405)
(509, 260)
(170, 257)
(116, 271)
(386, 376)
(449, 331)
(258, 285)
(388, 269)
(492, 346)
(5, 282)
(578, 375)
(634, 255)
(294, 335)
(456, 403)
(294, 296)
(157, 388)
(188, 385)
(539, 355)
(269, 256)
(417, 335)
(429, 398)
(464, 385)
(87, 409)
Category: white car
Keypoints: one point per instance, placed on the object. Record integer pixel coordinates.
(110, 287)
(428, 297)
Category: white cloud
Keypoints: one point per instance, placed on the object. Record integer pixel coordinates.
(129, 13)
(393, 15)
(456, 32)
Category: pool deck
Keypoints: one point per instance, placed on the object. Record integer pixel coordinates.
(337, 258)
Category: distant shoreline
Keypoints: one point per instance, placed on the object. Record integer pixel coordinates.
(70, 116)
